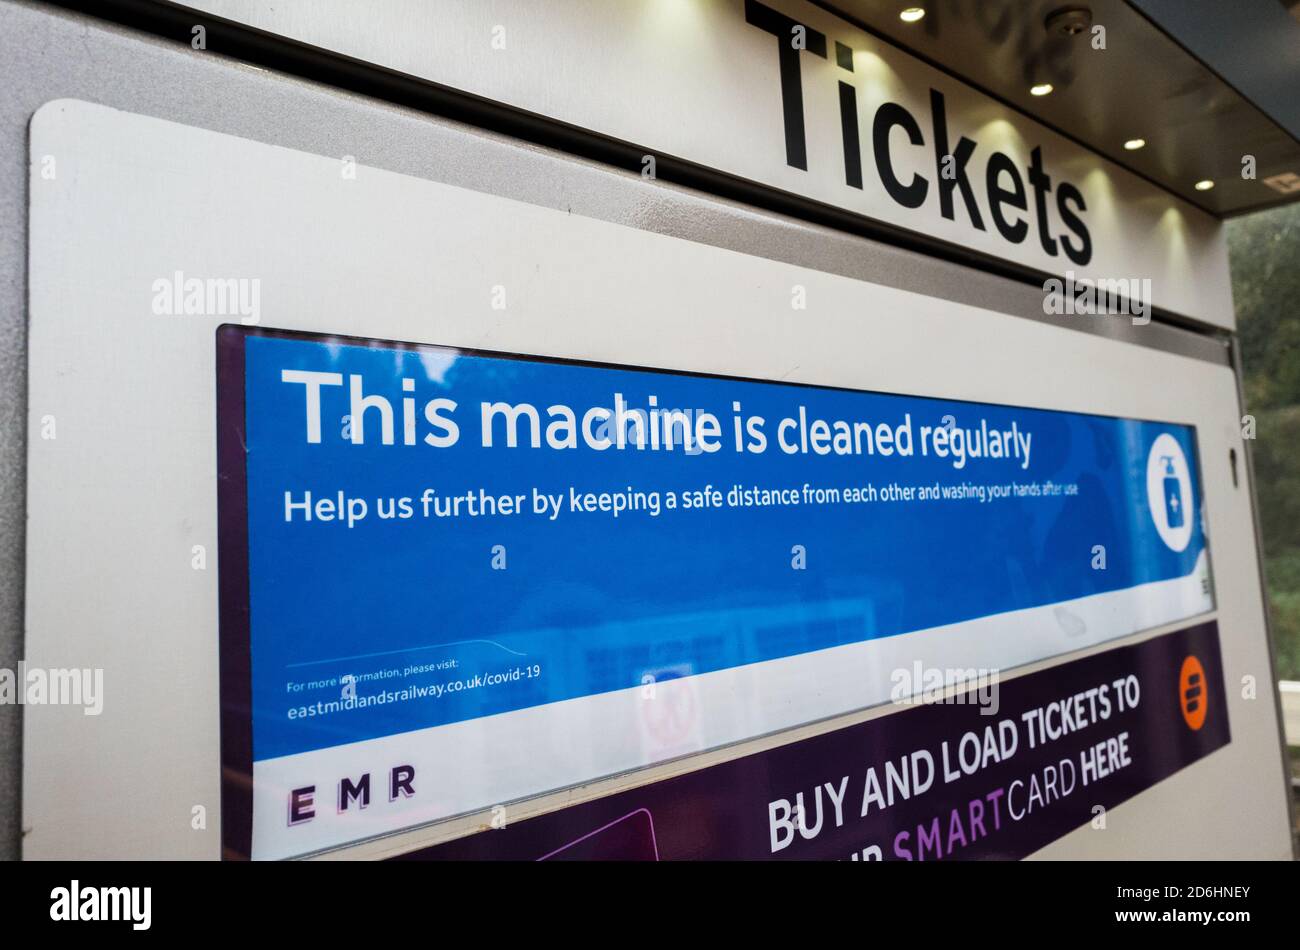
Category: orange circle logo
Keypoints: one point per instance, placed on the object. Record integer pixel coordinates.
(1192, 696)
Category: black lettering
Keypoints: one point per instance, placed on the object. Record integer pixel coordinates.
(999, 164)
(1042, 184)
(782, 27)
(1065, 195)
(887, 116)
(843, 56)
(401, 781)
(301, 804)
(849, 126)
(349, 792)
(960, 156)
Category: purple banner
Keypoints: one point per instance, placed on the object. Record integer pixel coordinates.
(995, 778)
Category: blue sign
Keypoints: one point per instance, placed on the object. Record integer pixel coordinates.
(429, 536)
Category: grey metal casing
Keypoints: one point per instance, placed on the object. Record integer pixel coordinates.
(51, 54)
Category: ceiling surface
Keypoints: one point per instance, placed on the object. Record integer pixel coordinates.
(1187, 97)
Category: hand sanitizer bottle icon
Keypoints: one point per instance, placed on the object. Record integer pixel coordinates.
(1173, 494)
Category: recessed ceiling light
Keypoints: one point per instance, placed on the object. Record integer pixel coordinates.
(1204, 185)
(912, 14)
(1040, 89)
(1134, 144)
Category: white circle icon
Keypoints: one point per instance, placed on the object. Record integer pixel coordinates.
(1169, 492)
